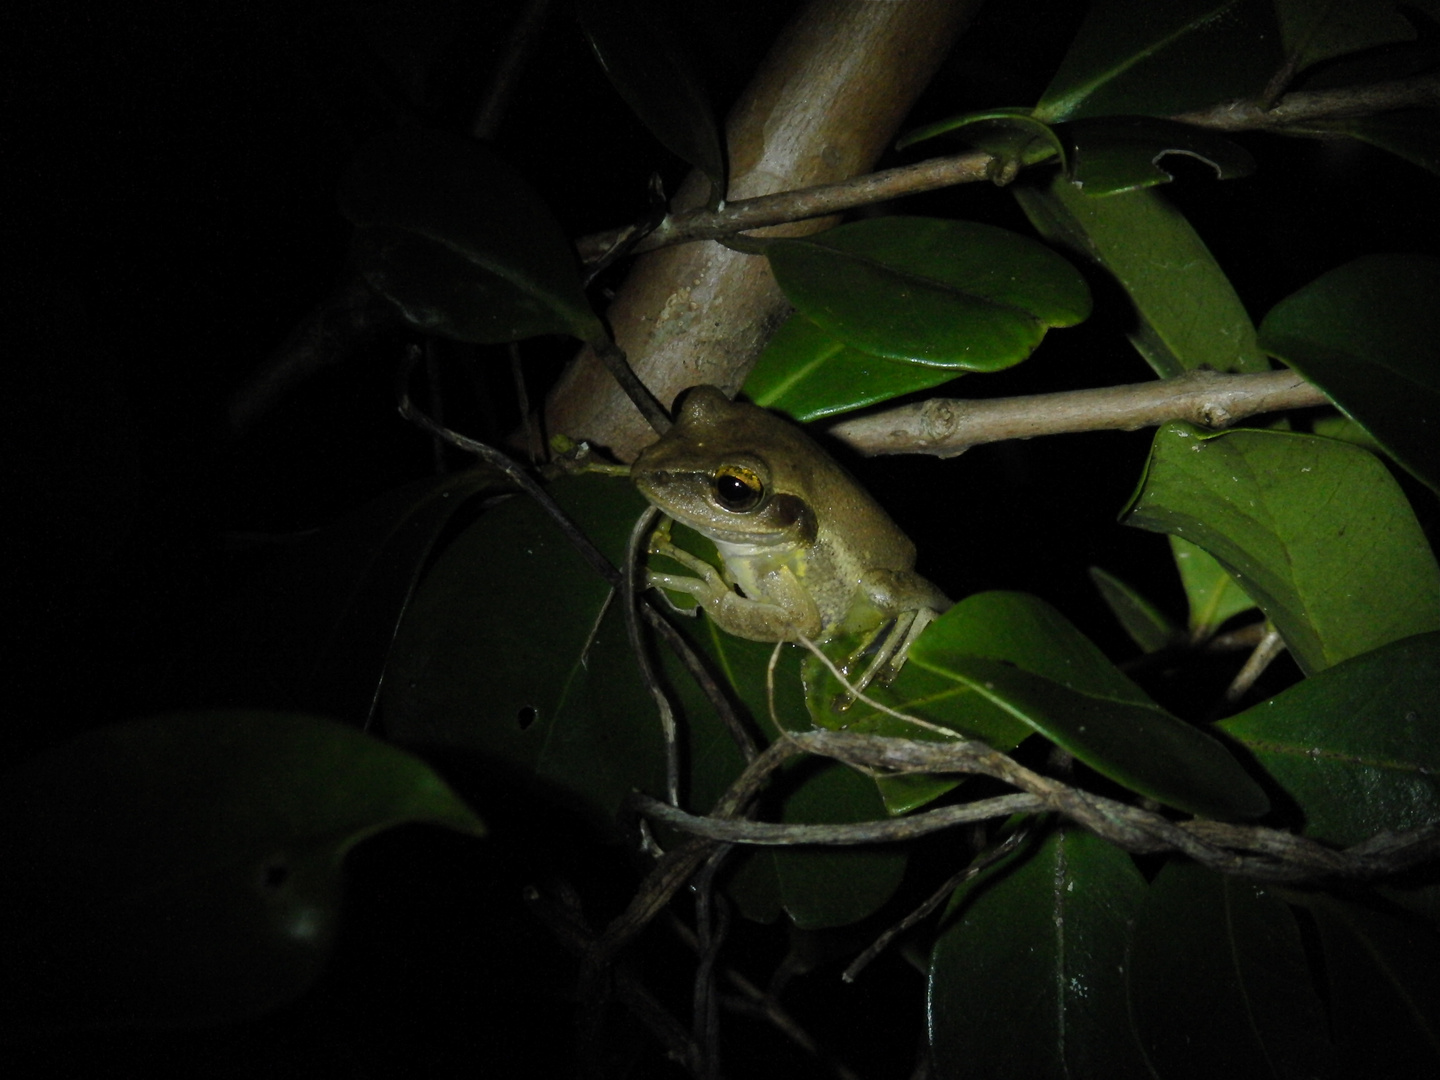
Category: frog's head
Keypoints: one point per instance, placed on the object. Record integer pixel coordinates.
(730, 471)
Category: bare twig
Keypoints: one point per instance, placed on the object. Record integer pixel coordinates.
(946, 427)
(1265, 651)
(1299, 111)
(981, 862)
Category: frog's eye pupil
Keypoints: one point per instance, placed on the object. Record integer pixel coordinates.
(738, 492)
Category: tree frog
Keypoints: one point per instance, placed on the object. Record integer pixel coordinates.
(807, 552)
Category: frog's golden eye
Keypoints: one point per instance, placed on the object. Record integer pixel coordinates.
(737, 488)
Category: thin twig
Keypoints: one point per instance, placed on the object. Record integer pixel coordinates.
(1268, 648)
(980, 862)
(634, 568)
(946, 427)
(1301, 111)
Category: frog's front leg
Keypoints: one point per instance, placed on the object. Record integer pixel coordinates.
(794, 615)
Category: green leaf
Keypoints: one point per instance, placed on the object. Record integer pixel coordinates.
(313, 632)
(807, 374)
(1115, 154)
(1027, 979)
(1138, 57)
(953, 294)
(453, 237)
(1356, 748)
(824, 887)
(1138, 745)
(505, 651)
(1365, 333)
(1012, 627)
(644, 59)
(1219, 984)
(186, 869)
(1312, 32)
(1384, 994)
(1189, 314)
(1411, 134)
(1213, 595)
(1317, 532)
(1143, 621)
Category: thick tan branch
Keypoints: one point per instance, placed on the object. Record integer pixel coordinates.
(946, 427)
(827, 101)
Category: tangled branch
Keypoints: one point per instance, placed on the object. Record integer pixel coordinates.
(1250, 851)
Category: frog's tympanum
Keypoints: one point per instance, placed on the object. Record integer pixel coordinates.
(807, 552)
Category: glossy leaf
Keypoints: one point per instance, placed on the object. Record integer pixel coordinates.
(806, 374)
(1138, 745)
(1188, 312)
(953, 294)
(1143, 621)
(460, 244)
(644, 60)
(1317, 533)
(1365, 333)
(1356, 748)
(1212, 593)
(1384, 977)
(314, 631)
(1027, 979)
(186, 869)
(1012, 627)
(1314, 32)
(1138, 57)
(1125, 153)
(1248, 1006)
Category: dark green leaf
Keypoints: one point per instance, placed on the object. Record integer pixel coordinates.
(504, 651)
(1138, 745)
(1356, 747)
(1412, 134)
(1384, 976)
(1312, 32)
(186, 869)
(1189, 314)
(1211, 591)
(1143, 621)
(1219, 984)
(825, 887)
(954, 294)
(1115, 154)
(645, 61)
(1027, 980)
(1317, 532)
(1012, 627)
(459, 243)
(1365, 334)
(1142, 58)
(314, 631)
(807, 374)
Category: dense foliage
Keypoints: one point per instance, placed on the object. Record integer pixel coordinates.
(1206, 657)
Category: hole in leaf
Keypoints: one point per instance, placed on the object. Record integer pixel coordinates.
(527, 715)
(275, 873)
